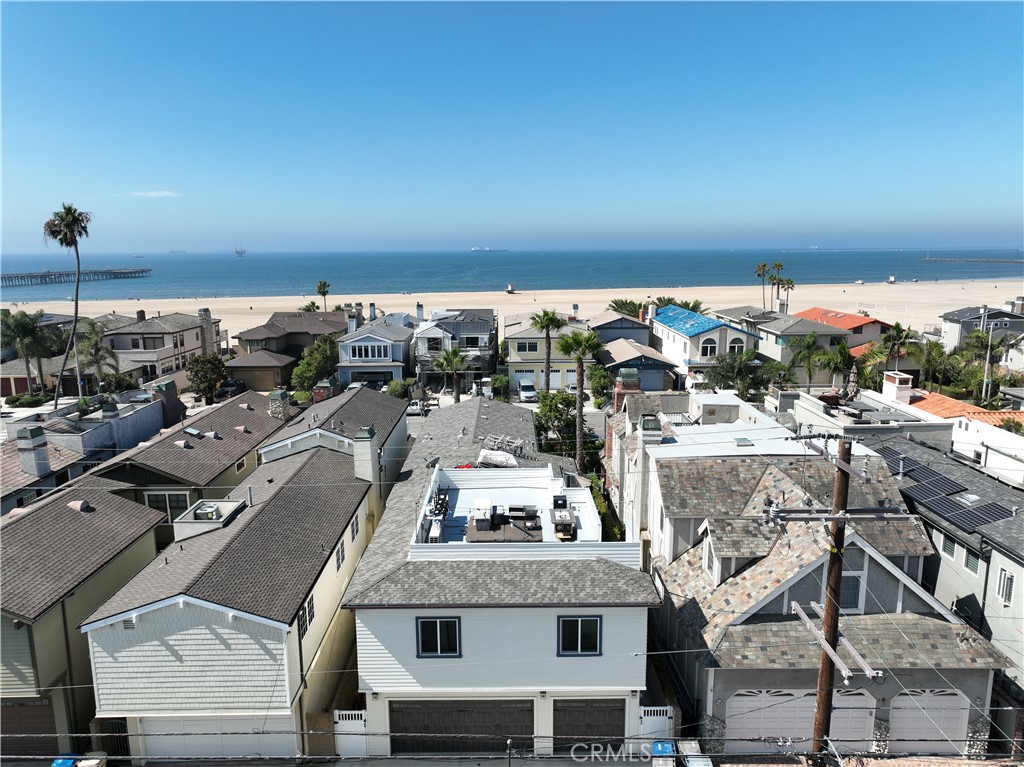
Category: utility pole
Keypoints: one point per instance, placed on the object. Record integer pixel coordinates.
(830, 623)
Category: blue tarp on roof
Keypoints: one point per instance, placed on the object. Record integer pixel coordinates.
(690, 324)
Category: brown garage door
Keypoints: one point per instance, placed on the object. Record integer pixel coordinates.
(27, 718)
(480, 726)
(589, 721)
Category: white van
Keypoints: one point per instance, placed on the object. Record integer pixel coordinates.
(527, 391)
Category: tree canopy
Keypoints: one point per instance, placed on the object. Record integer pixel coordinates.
(319, 361)
(204, 372)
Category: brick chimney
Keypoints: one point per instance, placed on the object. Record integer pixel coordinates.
(207, 337)
(167, 394)
(32, 451)
(140, 315)
(280, 407)
(366, 454)
(626, 382)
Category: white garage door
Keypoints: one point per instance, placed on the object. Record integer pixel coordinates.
(180, 736)
(928, 721)
(788, 715)
(520, 374)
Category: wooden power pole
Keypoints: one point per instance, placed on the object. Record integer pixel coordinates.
(830, 621)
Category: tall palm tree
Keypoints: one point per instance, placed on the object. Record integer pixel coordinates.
(662, 301)
(310, 307)
(899, 340)
(22, 331)
(807, 354)
(785, 286)
(452, 361)
(547, 320)
(66, 227)
(626, 306)
(777, 267)
(733, 371)
(761, 272)
(93, 353)
(322, 289)
(581, 347)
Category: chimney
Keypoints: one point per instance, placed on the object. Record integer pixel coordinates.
(32, 451)
(167, 393)
(280, 408)
(373, 311)
(140, 315)
(782, 305)
(351, 324)
(110, 411)
(652, 312)
(419, 311)
(626, 382)
(897, 386)
(368, 467)
(207, 338)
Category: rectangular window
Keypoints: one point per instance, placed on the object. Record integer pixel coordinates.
(302, 622)
(309, 610)
(471, 342)
(434, 345)
(135, 342)
(579, 635)
(153, 343)
(849, 592)
(526, 346)
(972, 562)
(370, 352)
(172, 503)
(355, 526)
(438, 637)
(948, 546)
(339, 555)
(240, 465)
(1005, 589)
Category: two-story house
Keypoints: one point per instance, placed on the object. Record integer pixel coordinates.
(863, 328)
(161, 346)
(694, 341)
(960, 323)
(379, 352)
(230, 643)
(59, 560)
(777, 332)
(526, 351)
(487, 607)
(610, 326)
(976, 524)
(473, 331)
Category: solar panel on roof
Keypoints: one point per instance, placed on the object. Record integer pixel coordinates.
(922, 474)
(943, 506)
(886, 451)
(994, 512)
(947, 486)
(922, 491)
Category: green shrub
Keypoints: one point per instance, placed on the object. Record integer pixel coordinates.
(12, 401)
(30, 400)
(302, 397)
(612, 530)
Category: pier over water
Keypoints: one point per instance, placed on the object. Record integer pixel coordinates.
(87, 275)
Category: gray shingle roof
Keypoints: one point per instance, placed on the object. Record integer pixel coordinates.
(381, 328)
(49, 551)
(266, 560)
(208, 457)
(174, 322)
(778, 323)
(440, 438)
(283, 323)
(896, 641)
(260, 359)
(13, 480)
(346, 413)
(745, 537)
(624, 350)
(546, 583)
(609, 316)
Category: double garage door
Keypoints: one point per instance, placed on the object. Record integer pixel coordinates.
(786, 719)
(219, 736)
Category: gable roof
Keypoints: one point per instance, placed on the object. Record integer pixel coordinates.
(382, 328)
(346, 413)
(778, 323)
(49, 551)
(264, 561)
(623, 350)
(260, 359)
(518, 326)
(175, 322)
(311, 323)
(13, 480)
(691, 324)
(206, 457)
(609, 316)
(976, 312)
(837, 319)
(943, 406)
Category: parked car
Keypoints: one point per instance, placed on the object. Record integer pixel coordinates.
(527, 391)
(229, 387)
(415, 408)
(571, 388)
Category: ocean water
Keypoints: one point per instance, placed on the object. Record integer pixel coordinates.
(211, 275)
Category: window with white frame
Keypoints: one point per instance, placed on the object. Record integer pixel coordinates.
(309, 609)
(972, 562)
(303, 624)
(708, 347)
(370, 351)
(579, 635)
(851, 591)
(339, 555)
(526, 346)
(1005, 588)
(435, 345)
(355, 526)
(948, 546)
(736, 346)
(438, 638)
(471, 342)
(241, 464)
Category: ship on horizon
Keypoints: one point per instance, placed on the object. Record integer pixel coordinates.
(239, 250)
(487, 249)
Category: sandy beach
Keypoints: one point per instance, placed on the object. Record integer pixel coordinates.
(914, 304)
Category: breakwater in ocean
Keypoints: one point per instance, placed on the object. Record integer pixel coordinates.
(181, 275)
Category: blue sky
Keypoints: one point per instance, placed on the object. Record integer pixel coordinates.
(349, 126)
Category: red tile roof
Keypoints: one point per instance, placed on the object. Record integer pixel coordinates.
(837, 319)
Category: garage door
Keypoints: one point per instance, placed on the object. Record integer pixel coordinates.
(474, 726)
(518, 375)
(594, 720)
(206, 736)
(928, 721)
(34, 717)
(786, 715)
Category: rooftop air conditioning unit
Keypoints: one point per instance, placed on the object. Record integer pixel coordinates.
(561, 502)
(206, 512)
(435, 532)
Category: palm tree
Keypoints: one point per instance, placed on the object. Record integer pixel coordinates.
(547, 320)
(777, 267)
(694, 305)
(733, 371)
(22, 331)
(66, 227)
(838, 361)
(452, 361)
(322, 289)
(785, 286)
(662, 301)
(581, 347)
(93, 353)
(899, 340)
(310, 307)
(626, 306)
(806, 354)
(761, 272)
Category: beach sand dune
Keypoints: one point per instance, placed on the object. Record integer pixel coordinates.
(914, 304)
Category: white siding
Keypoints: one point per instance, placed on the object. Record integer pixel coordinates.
(502, 649)
(191, 658)
(17, 677)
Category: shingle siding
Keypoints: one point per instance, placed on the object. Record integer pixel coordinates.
(191, 658)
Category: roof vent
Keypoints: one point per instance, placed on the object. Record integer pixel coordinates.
(743, 442)
(83, 506)
(970, 498)
(212, 435)
(183, 444)
(245, 406)
(243, 429)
